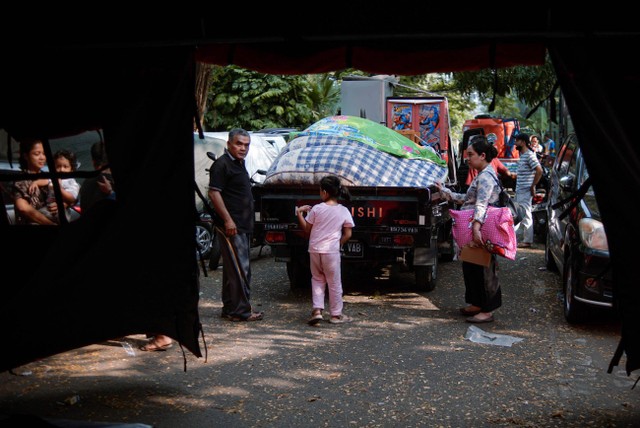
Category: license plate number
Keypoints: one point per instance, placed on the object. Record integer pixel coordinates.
(353, 249)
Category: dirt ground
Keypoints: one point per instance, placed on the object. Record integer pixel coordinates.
(405, 361)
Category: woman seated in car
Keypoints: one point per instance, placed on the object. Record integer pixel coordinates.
(30, 199)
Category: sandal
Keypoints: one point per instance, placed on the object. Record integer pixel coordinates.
(154, 347)
(256, 316)
(340, 320)
(467, 310)
(315, 318)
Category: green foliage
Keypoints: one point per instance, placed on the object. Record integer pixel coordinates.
(323, 95)
(527, 84)
(252, 100)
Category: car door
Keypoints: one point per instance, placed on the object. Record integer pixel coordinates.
(563, 183)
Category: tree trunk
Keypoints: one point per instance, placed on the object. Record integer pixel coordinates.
(203, 74)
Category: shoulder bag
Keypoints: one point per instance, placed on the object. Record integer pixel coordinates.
(505, 200)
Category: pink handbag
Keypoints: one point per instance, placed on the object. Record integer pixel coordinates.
(497, 231)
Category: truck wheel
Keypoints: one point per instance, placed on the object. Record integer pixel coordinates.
(299, 271)
(426, 276)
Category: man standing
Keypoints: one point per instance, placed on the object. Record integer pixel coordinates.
(550, 146)
(528, 174)
(230, 193)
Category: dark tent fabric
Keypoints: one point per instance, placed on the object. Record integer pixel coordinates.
(600, 91)
(138, 87)
(105, 276)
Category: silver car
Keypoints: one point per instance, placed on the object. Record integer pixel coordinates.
(6, 171)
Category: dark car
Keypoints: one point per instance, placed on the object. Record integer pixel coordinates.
(576, 243)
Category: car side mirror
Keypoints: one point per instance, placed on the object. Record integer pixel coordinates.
(566, 182)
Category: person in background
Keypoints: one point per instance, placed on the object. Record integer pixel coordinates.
(328, 226)
(537, 148)
(65, 161)
(95, 189)
(30, 200)
(230, 194)
(528, 175)
(550, 146)
(482, 288)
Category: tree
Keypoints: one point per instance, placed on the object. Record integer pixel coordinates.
(203, 75)
(239, 97)
(323, 95)
(251, 100)
(529, 84)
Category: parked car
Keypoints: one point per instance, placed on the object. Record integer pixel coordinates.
(576, 242)
(5, 188)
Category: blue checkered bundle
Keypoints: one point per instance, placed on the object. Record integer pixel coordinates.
(306, 159)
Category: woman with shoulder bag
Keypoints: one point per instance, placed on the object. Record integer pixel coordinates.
(482, 289)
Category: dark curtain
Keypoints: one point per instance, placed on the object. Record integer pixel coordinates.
(127, 267)
(601, 87)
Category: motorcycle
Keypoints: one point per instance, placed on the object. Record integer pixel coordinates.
(539, 204)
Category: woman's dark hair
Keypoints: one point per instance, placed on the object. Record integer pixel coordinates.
(25, 148)
(68, 155)
(331, 184)
(481, 145)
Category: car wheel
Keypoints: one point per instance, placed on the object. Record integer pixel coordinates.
(548, 257)
(203, 240)
(574, 311)
(215, 252)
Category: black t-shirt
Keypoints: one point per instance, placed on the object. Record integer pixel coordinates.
(90, 193)
(230, 177)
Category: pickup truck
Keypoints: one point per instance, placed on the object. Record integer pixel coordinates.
(405, 226)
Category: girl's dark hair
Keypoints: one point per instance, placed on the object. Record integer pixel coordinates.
(68, 155)
(25, 148)
(331, 184)
(482, 145)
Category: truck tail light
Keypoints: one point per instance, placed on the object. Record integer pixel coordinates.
(402, 240)
(275, 237)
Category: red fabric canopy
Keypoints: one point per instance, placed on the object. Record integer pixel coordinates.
(278, 59)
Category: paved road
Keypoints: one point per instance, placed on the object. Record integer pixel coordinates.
(403, 362)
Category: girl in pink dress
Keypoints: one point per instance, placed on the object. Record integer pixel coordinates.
(328, 225)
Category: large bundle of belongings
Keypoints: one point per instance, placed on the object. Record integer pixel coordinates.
(360, 152)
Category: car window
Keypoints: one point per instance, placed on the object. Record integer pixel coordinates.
(573, 163)
(79, 145)
(567, 159)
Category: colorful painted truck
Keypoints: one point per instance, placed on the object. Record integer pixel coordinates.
(501, 132)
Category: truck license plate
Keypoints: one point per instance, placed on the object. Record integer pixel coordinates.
(353, 249)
